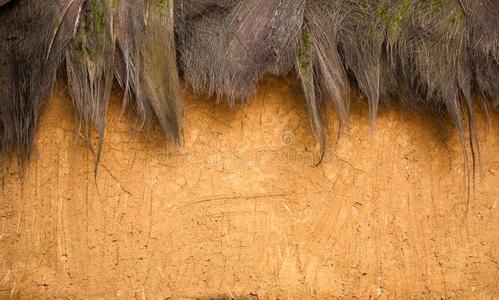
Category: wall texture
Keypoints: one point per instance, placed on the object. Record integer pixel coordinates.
(239, 211)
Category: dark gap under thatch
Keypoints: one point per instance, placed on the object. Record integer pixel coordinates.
(439, 56)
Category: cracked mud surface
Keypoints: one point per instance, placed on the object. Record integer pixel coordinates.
(238, 211)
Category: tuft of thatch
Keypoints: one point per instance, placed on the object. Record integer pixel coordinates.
(33, 38)
(146, 66)
(440, 56)
(90, 66)
(98, 41)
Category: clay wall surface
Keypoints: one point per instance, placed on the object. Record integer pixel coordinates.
(239, 210)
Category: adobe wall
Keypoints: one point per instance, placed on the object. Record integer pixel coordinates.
(239, 211)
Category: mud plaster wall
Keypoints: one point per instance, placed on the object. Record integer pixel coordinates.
(239, 212)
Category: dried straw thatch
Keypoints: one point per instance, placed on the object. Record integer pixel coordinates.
(437, 55)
